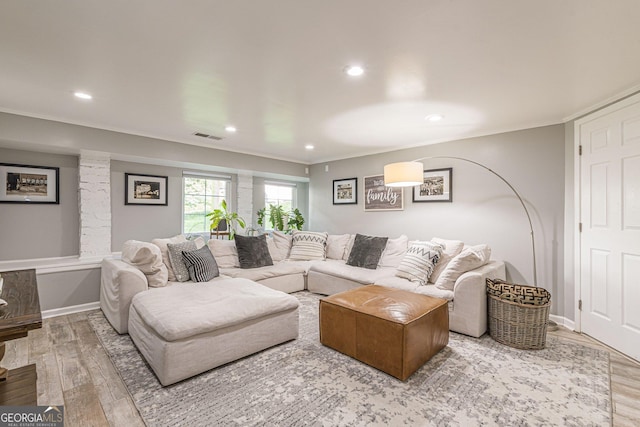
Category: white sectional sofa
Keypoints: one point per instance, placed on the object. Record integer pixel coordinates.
(184, 328)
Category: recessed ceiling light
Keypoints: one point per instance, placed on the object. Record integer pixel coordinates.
(231, 129)
(309, 147)
(434, 117)
(354, 70)
(82, 95)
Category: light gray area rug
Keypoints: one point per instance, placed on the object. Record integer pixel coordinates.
(472, 382)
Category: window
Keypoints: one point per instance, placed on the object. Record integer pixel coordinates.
(202, 195)
(279, 194)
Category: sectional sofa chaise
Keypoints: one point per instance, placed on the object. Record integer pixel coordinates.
(176, 323)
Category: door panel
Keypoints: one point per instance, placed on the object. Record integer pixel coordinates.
(610, 238)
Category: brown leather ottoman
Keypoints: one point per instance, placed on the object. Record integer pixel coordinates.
(392, 330)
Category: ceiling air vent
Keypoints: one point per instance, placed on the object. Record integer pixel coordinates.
(206, 135)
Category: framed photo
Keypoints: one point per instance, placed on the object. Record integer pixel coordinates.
(145, 189)
(379, 197)
(435, 187)
(345, 191)
(29, 184)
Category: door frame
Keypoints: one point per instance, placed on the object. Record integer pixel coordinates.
(577, 174)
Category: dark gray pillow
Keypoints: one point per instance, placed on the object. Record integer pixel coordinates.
(201, 264)
(253, 251)
(366, 251)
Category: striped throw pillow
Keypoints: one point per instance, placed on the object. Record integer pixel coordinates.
(308, 245)
(417, 264)
(201, 264)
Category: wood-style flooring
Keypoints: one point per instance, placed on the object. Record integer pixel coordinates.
(75, 371)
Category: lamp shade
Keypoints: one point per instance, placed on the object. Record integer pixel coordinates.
(403, 174)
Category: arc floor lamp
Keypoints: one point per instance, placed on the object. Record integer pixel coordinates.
(410, 174)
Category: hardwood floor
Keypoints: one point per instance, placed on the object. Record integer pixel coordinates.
(75, 371)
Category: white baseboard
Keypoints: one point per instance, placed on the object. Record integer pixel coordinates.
(563, 321)
(70, 310)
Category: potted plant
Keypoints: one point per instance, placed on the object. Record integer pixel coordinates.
(232, 219)
(281, 220)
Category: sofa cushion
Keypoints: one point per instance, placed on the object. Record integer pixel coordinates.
(308, 245)
(418, 263)
(404, 284)
(337, 245)
(148, 259)
(394, 252)
(469, 259)
(253, 251)
(450, 248)
(177, 261)
(201, 264)
(338, 268)
(162, 244)
(276, 270)
(366, 251)
(211, 306)
(225, 252)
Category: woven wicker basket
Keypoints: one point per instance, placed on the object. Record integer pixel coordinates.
(518, 325)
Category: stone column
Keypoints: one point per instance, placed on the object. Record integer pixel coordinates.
(245, 198)
(94, 203)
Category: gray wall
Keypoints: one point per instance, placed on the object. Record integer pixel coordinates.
(144, 222)
(41, 230)
(484, 210)
(68, 288)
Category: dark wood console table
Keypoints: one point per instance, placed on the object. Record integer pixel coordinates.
(17, 318)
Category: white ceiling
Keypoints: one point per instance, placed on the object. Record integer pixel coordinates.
(275, 68)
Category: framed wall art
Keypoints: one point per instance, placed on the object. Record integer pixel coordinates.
(436, 186)
(145, 189)
(345, 191)
(29, 184)
(379, 197)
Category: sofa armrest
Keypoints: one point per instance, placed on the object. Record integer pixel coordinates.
(119, 282)
(470, 299)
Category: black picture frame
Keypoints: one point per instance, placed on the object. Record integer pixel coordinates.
(29, 184)
(345, 191)
(145, 190)
(437, 186)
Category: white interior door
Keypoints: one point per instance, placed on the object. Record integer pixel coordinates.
(610, 216)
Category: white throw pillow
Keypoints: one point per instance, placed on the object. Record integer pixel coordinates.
(224, 252)
(418, 262)
(347, 250)
(394, 252)
(450, 248)
(308, 245)
(162, 244)
(337, 245)
(148, 259)
(469, 259)
(282, 245)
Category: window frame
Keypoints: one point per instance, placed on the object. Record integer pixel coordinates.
(200, 175)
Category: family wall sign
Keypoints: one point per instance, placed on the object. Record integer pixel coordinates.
(378, 197)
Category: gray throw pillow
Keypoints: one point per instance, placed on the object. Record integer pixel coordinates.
(177, 263)
(201, 264)
(366, 251)
(253, 251)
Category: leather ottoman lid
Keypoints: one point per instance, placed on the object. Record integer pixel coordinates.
(386, 303)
